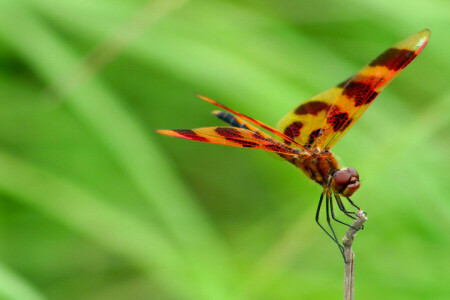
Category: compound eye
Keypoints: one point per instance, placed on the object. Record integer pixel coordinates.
(353, 172)
(342, 177)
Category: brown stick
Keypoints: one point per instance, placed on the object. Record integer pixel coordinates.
(349, 283)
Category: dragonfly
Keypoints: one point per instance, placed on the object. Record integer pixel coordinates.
(305, 136)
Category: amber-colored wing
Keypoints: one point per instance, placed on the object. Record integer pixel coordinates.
(257, 123)
(305, 122)
(231, 136)
(239, 123)
(324, 120)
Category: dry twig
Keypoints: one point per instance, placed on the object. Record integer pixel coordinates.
(349, 284)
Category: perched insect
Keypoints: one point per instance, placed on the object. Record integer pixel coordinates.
(310, 130)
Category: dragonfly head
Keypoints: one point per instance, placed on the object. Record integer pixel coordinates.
(345, 181)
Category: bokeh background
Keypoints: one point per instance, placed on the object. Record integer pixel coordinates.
(95, 205)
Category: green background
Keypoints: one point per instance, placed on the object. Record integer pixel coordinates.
(95, 205)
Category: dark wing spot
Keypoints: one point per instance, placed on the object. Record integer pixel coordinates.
(293, 131)
(234, 136)
(190, 135)
(394, 59)
(343, 83)
(338, 119)
(371, 97)
(247, 144)
(313, 136)
(276, 148)
(346, 124)
(230, 134)
(313, 107)
(361, 91)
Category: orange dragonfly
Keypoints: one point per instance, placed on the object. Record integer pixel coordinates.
(310, 130)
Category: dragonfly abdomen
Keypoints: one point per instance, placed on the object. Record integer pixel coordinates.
(230, 119)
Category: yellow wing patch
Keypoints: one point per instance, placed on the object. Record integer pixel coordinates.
(304, 123)
(323, 120)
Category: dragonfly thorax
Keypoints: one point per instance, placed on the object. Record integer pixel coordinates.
(323, 168)
(318, 166)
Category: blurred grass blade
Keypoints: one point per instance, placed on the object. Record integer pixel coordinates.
(204, 251)
(92, 216)
(113, 45)
(12, 287)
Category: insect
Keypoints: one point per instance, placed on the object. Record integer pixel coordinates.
(308, 132)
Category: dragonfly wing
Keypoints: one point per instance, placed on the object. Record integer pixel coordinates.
(255, 122)
(359, 91)
(231, 136)
(324, 119)
(304, 123)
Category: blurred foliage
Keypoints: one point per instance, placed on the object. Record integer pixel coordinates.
(95, 205)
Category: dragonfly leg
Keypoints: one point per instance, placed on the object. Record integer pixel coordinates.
(353, 204)
(334, 217)
(342, 208)
(327, 204)
(323, 228)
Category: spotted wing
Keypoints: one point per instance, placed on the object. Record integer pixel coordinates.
(256, 122)
(239, 123)
(359, 91)
(230, 136)
(304, 123)
(324, 119)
